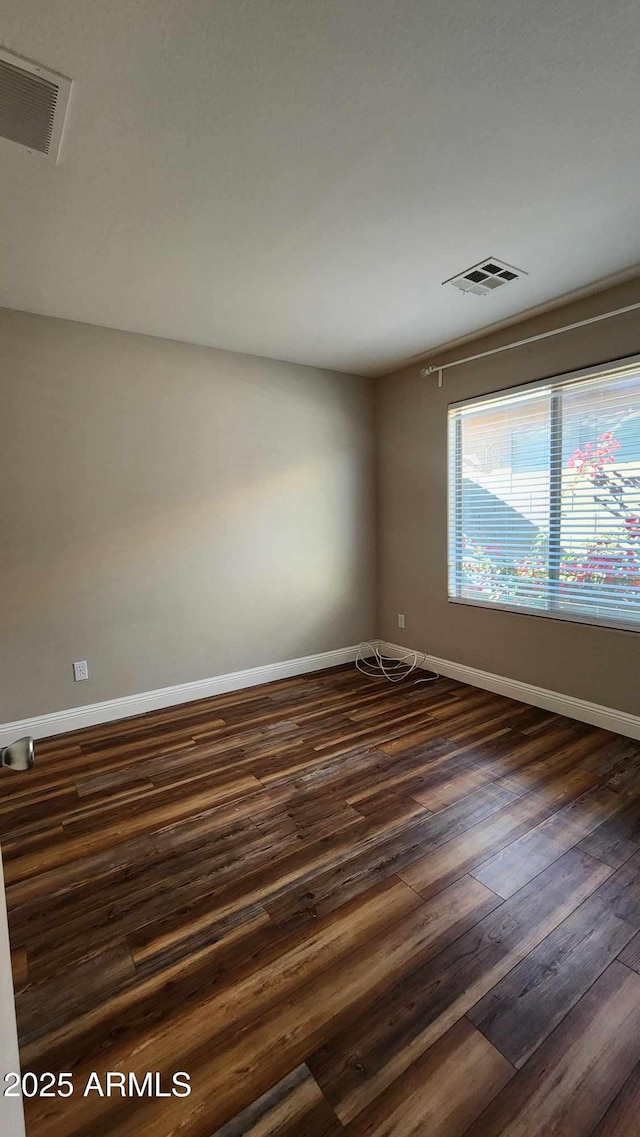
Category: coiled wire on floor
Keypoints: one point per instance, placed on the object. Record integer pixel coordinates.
(375, 665)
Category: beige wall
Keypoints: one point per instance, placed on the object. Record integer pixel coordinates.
(171, 512)
(591, 663)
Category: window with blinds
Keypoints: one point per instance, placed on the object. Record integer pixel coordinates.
(544, 498)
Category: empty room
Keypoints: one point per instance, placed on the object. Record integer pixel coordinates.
(319, 568)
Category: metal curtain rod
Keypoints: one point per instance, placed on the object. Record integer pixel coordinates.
(530, 339)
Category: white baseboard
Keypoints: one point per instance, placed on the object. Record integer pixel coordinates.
(60, 722)
(607, 717)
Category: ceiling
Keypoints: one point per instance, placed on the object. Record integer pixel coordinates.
(295, 178)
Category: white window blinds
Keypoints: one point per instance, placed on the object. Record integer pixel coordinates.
(544, 498)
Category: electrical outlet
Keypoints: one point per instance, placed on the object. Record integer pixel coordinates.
(80, 670)
(400, 620)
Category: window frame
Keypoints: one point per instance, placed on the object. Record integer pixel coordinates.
(564, 379)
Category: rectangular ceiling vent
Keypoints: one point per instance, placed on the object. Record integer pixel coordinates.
(485, 277)
(33, 104)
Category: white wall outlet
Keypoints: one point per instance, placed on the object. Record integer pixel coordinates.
(400, 620)
(80, 670)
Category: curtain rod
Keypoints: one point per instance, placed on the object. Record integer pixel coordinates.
(529, 339)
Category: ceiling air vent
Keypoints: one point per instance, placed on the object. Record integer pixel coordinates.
(485, 277)
(33, 104)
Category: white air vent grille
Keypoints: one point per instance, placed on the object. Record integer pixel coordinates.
(33, 104)
(485, 277)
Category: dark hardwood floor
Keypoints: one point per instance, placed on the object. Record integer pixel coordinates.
(341, 907)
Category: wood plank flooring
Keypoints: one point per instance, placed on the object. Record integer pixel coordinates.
(340, 906)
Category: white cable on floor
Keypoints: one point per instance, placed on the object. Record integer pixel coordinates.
(392, 668)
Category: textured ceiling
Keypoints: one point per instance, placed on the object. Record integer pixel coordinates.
(294, 178)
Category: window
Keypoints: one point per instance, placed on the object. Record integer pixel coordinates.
(544, 498)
